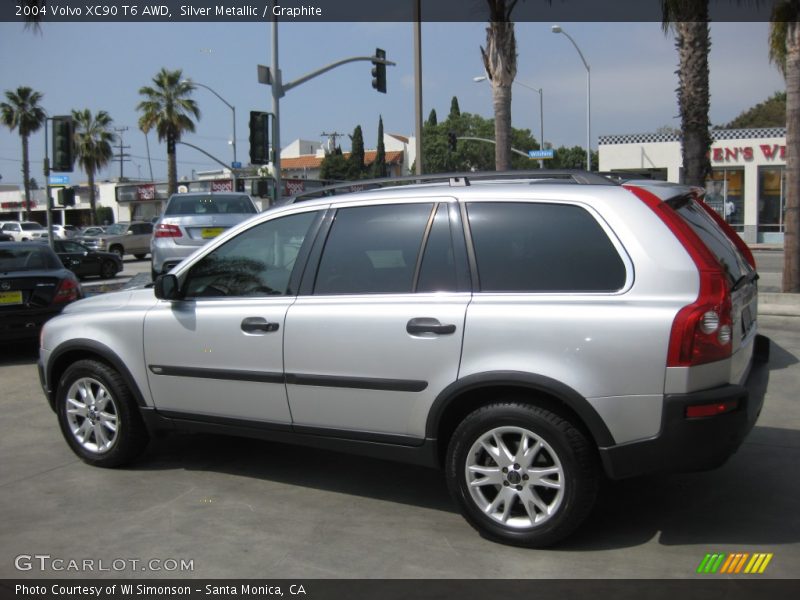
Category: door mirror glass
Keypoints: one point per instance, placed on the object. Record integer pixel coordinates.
(166, 287)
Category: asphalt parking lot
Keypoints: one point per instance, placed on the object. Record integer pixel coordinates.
(236, 508)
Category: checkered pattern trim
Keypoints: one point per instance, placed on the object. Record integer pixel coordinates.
(716, 134)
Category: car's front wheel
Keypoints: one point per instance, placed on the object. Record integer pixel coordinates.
(98, 415)
(521, 474)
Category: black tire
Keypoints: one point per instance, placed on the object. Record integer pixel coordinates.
(108, 269)
(140, 256)
(558, 484)
(90, 415)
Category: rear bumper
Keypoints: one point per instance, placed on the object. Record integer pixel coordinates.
(25, 325)
(695, 444)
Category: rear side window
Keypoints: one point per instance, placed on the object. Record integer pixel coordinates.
(205, 205)
(373, 250)
(537, 247)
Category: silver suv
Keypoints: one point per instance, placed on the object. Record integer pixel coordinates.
(122, 238)
(191, 220)
(526, 336)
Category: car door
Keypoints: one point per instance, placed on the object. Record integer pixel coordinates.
(376, 335)
(76, 258)
(218, 352)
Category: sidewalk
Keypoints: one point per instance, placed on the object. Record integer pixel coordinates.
(779, 305)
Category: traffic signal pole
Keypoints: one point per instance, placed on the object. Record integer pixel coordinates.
(279, 90)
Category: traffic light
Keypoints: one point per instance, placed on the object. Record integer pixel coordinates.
(63, 144)
(452, 141)
(379, 72)
(259, 137)
(66, 196)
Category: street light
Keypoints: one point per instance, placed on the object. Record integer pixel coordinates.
(228, 104)
(558, 29)
(539, 91)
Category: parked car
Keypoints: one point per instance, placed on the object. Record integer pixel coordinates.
(6, 237)
(34, 286)
(121, 239)
(526, 336)
(92, 231)
(85, 262)
(23, 231)
(191, 220)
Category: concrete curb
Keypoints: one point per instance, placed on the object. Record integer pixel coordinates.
(779, 305)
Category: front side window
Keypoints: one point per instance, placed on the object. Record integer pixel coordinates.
(542, 247)
(373, 250)
(257, 262)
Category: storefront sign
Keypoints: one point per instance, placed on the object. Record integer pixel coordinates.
(747, 153)
(222, 185)
(146, 192)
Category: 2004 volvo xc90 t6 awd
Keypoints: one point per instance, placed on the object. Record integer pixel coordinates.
(525, 336)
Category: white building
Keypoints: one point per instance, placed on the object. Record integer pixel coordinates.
(747, 186)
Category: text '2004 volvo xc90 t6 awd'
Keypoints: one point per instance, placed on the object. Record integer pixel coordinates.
(527, 336)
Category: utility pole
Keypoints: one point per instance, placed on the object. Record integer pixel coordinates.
(332, 139)
(122, 156)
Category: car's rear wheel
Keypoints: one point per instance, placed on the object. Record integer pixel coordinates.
(108, 269)
(521, 474)
(98, 415)
(140, 256)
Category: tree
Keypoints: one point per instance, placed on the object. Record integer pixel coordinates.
(168, 109)
(23, 113)
(785, 52)
(688, 19)
(573, 158)
(500, 63)
(770, 113)
(93, 138)
(356, 158)
(455, 111)
(379, 165)
(432, 120)
(334, 166)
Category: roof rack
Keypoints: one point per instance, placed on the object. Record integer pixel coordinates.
(573, 176)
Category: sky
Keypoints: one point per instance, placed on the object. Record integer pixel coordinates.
(101, 66)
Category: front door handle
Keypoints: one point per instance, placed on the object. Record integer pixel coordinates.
(428, 325)
(258, 325)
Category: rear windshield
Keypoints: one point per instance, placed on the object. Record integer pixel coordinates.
(33, 258)
(216, 204)
(31, 227)
(729, 256)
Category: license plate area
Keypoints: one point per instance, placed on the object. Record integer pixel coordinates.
(208, 233)
(10, 298)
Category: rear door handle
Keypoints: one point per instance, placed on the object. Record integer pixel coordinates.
(258, 325)
(428, 325)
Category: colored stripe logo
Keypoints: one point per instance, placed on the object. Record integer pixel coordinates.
(736, 563)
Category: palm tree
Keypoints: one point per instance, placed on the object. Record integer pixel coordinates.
(500, 63)
(785, 52)
(688, 19)
(168, 109)
(93, 139)
(23, 113)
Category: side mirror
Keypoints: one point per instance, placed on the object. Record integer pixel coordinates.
(166, 287)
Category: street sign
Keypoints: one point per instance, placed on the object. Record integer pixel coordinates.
(59, 179)
(541, 154)
(236, 165)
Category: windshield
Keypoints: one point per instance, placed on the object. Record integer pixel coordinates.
(33, 258)
(202, 204)
(117, 229)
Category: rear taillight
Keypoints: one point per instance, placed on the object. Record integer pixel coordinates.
(164, 230)
(701, 332)
(68, 290)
